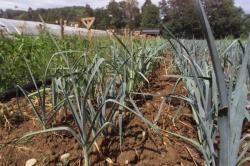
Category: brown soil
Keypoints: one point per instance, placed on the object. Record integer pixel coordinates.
(140, 146)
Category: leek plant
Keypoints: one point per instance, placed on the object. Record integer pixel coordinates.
(217, 96)
(95, 89)
(232, 110)
(44, 116)
(133, 65)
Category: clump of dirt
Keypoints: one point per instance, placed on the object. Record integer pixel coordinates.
(140, 145)
(10, 112)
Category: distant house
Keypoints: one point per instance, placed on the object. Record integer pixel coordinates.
(151, 32)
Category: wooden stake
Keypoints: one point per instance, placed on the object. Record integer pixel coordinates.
(40, 28)
(65, 22)
(62, 28)
(21, 28)
(110, 32)
(1, 33)
(126, 32)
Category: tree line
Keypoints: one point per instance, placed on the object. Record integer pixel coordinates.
(178, 15)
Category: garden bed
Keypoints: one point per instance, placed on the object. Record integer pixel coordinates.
(140, 146)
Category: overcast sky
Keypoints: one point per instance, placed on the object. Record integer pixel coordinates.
(24, 4)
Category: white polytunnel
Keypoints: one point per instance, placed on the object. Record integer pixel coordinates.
(34, 28)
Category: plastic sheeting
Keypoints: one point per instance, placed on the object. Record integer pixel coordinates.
(9, 26)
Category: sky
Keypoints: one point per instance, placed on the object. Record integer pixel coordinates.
(24, 4)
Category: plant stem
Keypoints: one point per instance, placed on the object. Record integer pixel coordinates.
(86, 157)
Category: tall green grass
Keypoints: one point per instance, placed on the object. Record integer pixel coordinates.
(37, 50)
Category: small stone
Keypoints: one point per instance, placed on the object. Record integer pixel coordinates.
(65, 157)
(31, 162)
(110, 129)
(127, 157)
(139, 136)
(143, 134)
(109, 160)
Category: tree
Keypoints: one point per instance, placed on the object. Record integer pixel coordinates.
(1, 12)
(30, 13)
(150, 16)
(245, 28)
(101, 19)
(88, 11)
(146, 3)
(131, 13)
(5, 14)
(115, 14)
(181, 17)
(225, 18)
(163, 6)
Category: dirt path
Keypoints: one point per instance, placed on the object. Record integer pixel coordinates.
(140, 145)
(146, 148)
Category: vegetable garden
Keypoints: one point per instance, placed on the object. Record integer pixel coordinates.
(126, 100)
